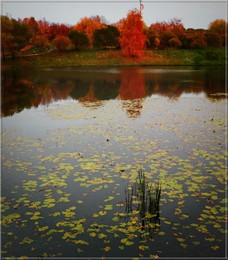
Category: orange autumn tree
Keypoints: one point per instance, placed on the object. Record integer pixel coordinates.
(89, 26)
(132, 39)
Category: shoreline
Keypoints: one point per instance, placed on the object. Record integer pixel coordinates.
(114, 58)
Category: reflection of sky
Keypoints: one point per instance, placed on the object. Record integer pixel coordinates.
(199, 95)
(194, 14)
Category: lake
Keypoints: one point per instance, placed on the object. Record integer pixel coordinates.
(114, 162)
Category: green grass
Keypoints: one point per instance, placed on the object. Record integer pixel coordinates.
(115, 58)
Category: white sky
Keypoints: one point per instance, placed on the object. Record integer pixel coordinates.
(193, 14)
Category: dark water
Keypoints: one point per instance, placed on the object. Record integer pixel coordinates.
(73, 141)
(31, 88)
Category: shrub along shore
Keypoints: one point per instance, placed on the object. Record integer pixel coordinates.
(201, 57)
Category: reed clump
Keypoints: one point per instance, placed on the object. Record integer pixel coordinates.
(144, 197)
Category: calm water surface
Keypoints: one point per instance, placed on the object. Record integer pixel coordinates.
(73, 141)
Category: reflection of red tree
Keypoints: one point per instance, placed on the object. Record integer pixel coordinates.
(133, 107)
(132, 85)
(90, 100)
(132, 90)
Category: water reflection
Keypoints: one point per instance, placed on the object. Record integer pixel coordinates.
(31, 88)
(133, 89)
(90, 100)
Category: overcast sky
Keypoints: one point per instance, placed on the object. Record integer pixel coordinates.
(193, 14)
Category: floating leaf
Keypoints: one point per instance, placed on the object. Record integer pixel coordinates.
(215, 247)
(64, 199)
(216, 225)
(210, 239)
(42, 228)
(116, 219)
(196, 243)
(102, 213)
(69, 214)
(6, 220)
(80, 242)
(69, 235)
(183, 245)
(26, 240)
(55, 214)
(126, 242)
(214, 197)
(107, 248)
(108, 207)
(180, 239)
(109, 198)
(102, 235)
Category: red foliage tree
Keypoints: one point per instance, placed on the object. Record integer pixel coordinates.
(175, 43)
(31, 24)
(61, 42)
(197, 39)
(44, 29)
(58, 29)
(169, 34)
(152, 39)
(165, 38)
(132, 39)
(213, 39)
(40, 41)
(219, 26)
(159, 27)
(15, 35)
(176, 27)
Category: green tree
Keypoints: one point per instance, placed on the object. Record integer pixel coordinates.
(79, 39)
(106, 37)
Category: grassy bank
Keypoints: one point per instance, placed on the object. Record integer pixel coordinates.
(115, 58)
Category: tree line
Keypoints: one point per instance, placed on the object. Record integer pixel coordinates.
(130, 34)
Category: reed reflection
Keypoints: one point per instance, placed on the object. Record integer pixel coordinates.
(130, 85)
